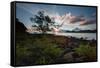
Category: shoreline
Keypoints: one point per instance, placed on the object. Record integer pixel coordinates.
(65, 35)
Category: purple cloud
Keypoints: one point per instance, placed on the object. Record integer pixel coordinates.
(87, 22)
(74, 19)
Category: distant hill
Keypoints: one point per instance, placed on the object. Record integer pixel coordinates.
(20, 27)
(80, 31)
(76, 29)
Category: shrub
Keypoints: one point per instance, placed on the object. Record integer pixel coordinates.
(86, 51)
(36, 51)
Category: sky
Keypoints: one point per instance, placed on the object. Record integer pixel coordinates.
(72, 17)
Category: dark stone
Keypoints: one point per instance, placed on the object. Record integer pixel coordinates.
(20, 27)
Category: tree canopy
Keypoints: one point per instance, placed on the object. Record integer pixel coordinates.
(42, 21)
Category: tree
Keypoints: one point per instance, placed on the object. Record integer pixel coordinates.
(42, 21)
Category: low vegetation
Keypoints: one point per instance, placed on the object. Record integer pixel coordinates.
(48, 49)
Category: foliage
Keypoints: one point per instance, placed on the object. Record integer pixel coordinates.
(87, 51)
(42, 21)
(35, 50)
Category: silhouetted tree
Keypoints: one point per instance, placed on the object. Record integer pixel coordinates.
(42, 21)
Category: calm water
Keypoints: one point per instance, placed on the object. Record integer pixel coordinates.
(87, 36)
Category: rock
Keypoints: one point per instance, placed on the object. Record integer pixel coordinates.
(68, 57)
(20, 27)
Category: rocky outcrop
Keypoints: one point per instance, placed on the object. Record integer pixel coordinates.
(20, 27)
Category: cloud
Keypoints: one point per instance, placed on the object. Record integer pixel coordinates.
(93, 15)
(71, 18)
(87, 22)
(74, 19)
(81, 19)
